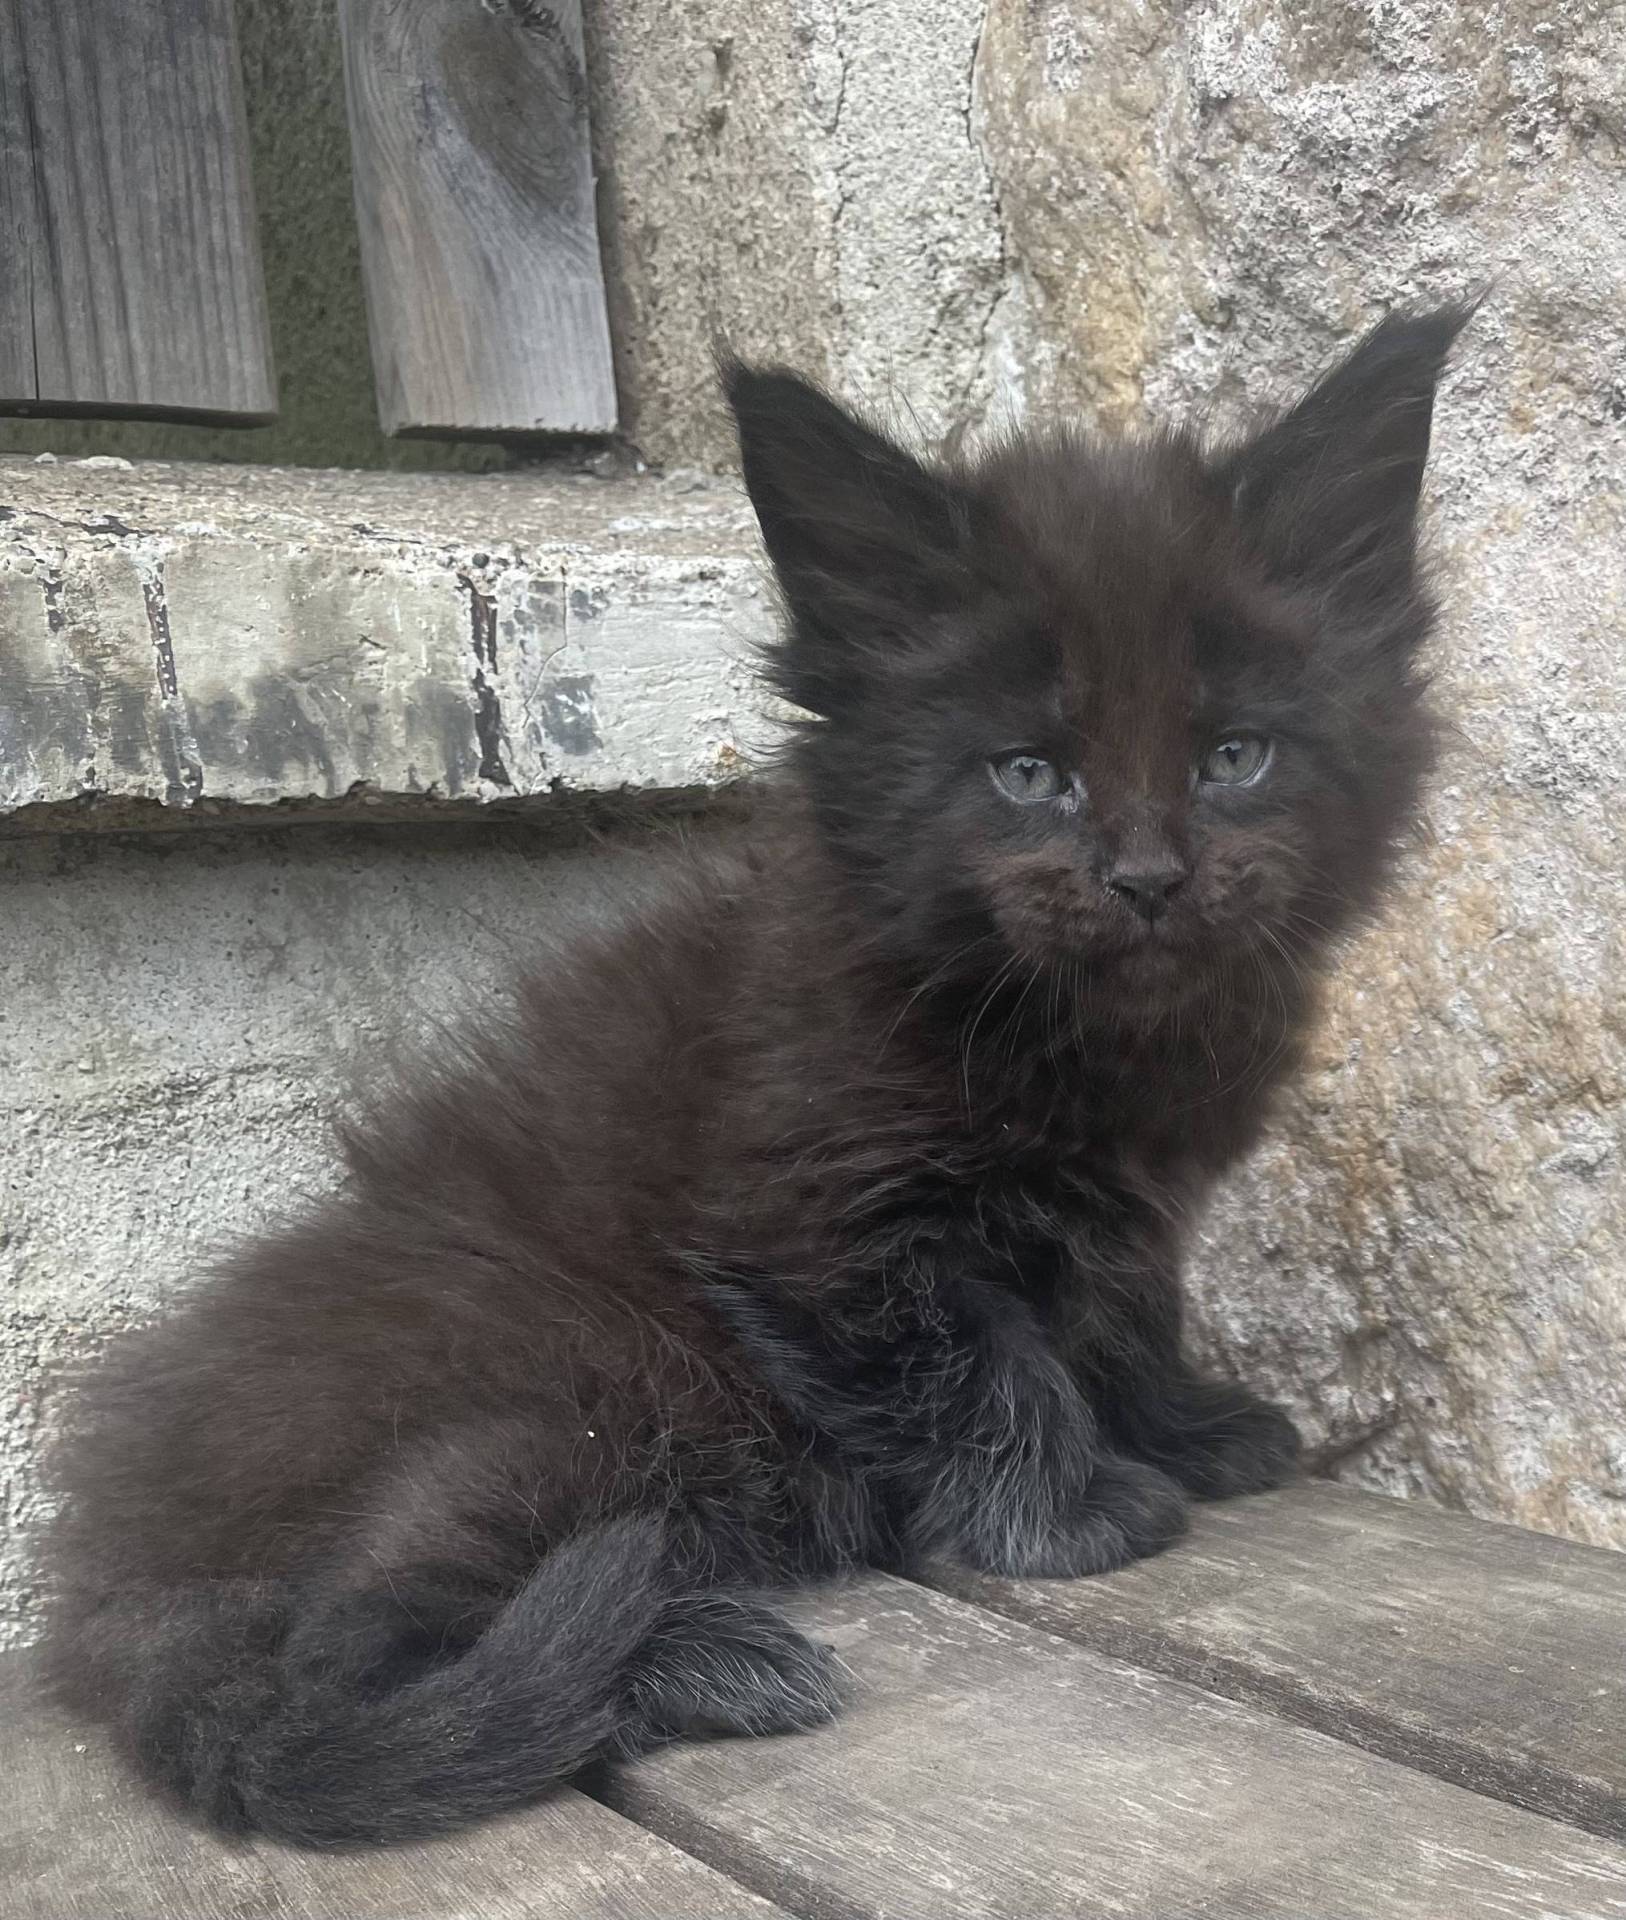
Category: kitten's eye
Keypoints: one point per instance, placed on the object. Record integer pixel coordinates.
(1235, 762)
(1028, 778)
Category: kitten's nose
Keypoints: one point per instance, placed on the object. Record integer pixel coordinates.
(1148, 885)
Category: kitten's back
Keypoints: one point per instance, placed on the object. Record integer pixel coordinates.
(501, 1240)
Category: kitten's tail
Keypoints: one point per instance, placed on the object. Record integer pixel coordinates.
(217, 1711)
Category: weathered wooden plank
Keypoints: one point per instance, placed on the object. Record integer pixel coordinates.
(17, 374)
(986, 1769)
(1491, 1656)
(474, 194)
(79, 1841)
(130, 277)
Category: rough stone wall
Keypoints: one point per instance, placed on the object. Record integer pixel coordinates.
(1431, 1258)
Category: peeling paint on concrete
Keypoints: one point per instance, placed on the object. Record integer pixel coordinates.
(488, 722)
(568, 718)
(177, 744)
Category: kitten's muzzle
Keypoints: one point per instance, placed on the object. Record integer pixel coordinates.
(1147, 885)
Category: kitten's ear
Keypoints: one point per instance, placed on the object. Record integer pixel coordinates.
(1330, 491)
(865, 540)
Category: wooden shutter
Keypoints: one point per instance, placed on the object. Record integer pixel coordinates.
(130, 279)
(474, 193)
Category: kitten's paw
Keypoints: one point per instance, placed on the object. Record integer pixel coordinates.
(1219, 1440)
(1125, 1511)
(729, 1664)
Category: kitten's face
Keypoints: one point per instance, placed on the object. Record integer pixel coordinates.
(1124, 715)
(1123, 754)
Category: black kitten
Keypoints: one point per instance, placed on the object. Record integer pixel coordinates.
(829, 1213)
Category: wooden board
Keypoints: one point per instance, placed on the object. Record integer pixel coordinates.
(474, 194)
(1491, 1656)
(79, 1841)
(130, 278)
(17, 222)
(986, 1769)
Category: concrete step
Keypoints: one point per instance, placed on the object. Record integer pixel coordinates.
(196, 642)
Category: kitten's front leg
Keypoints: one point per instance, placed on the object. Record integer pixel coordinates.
(1214, 1437)
(1015, 1476)
(951, 1397)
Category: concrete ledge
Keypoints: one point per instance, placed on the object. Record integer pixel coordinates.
(189, 641)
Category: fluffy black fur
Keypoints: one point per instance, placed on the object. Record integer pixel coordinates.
(827, 1212)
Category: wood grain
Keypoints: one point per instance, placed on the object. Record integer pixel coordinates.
(474, 194)
(130, 278)
(79, 1841)
(986, 1769)
(17, 219)
(1491, 1656)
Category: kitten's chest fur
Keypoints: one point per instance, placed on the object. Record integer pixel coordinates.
(1097, 1162)
(1043, 1150)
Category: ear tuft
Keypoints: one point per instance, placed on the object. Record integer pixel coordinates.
(865, 540)
(1330, 491)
